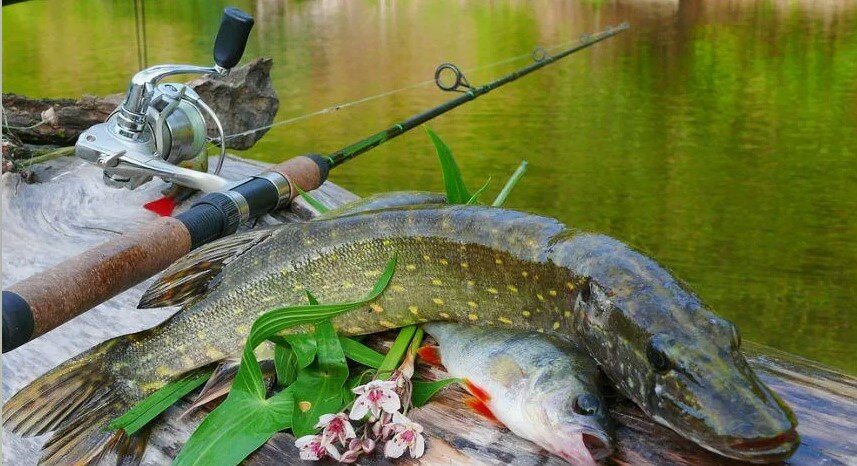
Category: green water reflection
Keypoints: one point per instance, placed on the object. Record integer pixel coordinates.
(718, 136)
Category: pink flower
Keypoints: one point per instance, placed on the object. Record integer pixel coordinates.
(336, 426)
(408, 436)
(315, 447)
(374, 397)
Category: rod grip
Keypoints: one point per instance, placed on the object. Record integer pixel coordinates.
(235, 26)
(56, 295)
(307, 172)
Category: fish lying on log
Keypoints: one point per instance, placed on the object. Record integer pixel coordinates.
(660, 346)
(544, 390)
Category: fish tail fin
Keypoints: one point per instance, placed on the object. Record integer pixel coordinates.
(76, 401)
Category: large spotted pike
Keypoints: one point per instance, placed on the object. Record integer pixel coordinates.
(655, 340)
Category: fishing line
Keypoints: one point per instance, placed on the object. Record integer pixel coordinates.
(538, 54)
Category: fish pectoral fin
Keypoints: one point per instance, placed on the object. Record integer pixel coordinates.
(430, 354)
(479, 407)
(194, 275)
(478, 392)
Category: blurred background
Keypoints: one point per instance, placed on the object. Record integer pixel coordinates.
(719, 136)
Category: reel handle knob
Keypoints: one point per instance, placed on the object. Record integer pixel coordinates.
(235, 26)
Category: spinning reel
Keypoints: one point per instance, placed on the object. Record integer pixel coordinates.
(159, 126)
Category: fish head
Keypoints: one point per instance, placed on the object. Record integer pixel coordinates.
(677, 360)
(570, 420)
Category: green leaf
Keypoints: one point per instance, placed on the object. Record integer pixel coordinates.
(397, 351)
(286, 365)
(246, 419)
(475, 197)
(315, 203)
(318, 389)
(304, 345)
(236, 428)
(158, 402)
(358, 352)
(424, 390)
(456, 191)
(513, 180)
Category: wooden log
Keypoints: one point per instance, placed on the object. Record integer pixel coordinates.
(48, 222)
(243, 100)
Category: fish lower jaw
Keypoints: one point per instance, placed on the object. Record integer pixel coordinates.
(761, 451)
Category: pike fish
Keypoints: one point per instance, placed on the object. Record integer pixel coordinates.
(543, 389)
(655, 339)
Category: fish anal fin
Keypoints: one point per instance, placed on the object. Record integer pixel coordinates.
(194, 275)
(479, 407)
(478, 392)
(430, 354)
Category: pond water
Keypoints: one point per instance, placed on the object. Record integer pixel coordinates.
(719, 136)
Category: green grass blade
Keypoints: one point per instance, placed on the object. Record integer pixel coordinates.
(397, 351)
(152, 406)
(456, 191)
(358, 352)
(513, 180)
(315, 203)
(423, 390)
(475, 197)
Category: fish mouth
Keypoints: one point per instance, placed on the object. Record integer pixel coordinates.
(599, 446)
(765, 449)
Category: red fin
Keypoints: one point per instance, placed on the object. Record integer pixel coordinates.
(481, 408)
(476, 391)
(429, 354)
(163, 206)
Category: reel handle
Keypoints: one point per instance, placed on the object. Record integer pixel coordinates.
(235, 26)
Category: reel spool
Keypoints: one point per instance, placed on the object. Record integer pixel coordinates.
(159, 126)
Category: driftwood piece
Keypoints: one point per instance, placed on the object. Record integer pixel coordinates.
(244, 100)
(72, 211)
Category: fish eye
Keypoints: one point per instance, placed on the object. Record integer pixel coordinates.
(586, 404)
(658, 358)
(586, 291)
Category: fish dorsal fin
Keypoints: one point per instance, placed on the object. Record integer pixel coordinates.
(194, 275)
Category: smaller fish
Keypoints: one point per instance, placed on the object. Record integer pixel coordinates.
(544, 390)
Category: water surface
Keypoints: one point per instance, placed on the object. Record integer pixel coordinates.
(719, 136)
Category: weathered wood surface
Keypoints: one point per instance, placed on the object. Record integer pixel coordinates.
(243, 100)
(47, 222)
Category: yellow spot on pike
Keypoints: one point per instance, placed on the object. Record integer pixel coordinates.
(414, 310)
(213, 352)
(512, 288)
(471, 283)
(552, 292)
(464, 265)
(505, 320)
(444, 315)
(556, 325)
(525, 274)
(387, 323)
(473, 317)
(526, 313)
(540, 330)
(426, 257)
(567, 313)
(411, 267)
(163, 371)
(570, 286)
(376, 307)
(386, 242)
(472, 304)
(298, 287)
(492, 290)
(355, 329)
(498, 261)
(444, 262)
(397, 287)
(540, 296)
(436, 282)
(242, 330)
(437, 301)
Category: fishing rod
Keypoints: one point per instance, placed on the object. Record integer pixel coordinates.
(159, 125)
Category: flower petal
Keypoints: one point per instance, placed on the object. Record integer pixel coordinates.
(332, 451)
(391, 403)
(360, 408)
(305, 440)
(419, 447)
(394, 449)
